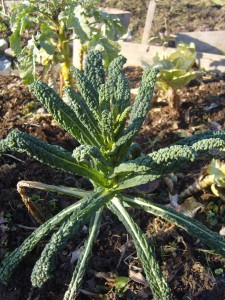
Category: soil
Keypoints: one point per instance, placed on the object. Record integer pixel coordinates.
(192, 271)
(171, 17)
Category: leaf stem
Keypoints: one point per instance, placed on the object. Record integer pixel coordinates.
(64, 53)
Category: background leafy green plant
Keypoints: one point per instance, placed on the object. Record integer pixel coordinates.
(177, 69)
(50, 26)
(217, 2)
(213, 176)
(102, 119)
(4, 22)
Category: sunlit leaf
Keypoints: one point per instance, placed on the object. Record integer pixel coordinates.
(121, 282)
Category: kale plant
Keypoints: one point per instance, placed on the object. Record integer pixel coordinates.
(103, 121)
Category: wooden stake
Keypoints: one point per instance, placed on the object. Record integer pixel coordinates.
(148, 22)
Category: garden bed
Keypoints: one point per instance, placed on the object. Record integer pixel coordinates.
(189, 268)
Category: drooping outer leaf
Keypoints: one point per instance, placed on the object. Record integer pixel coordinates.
(157, 283)
(51, 155)
(201, 137)
(89, 206)
(193, 227)
(83, 259)
(62, 113)
(164, 161)
(13, 259)
(157, 162)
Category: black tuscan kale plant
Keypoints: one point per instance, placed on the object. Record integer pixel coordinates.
(102, 119)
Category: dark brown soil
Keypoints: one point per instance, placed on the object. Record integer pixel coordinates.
(171, 17)
(189, 268)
